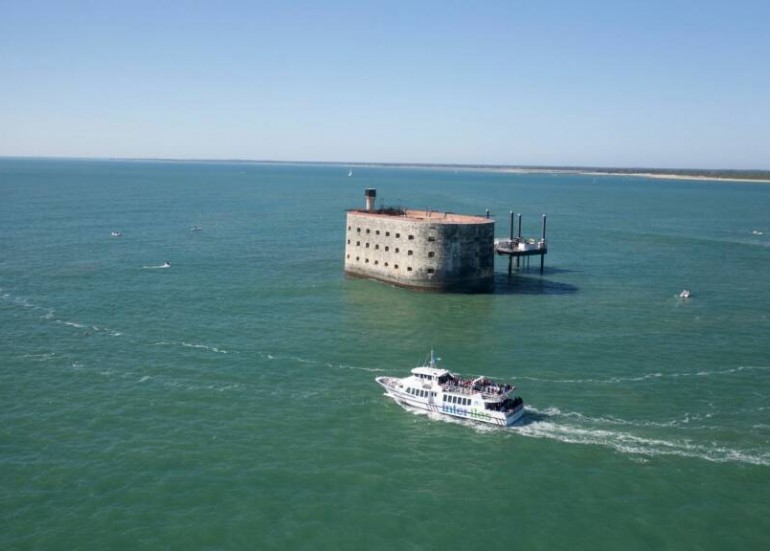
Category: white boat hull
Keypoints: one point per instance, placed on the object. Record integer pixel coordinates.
(498, 418)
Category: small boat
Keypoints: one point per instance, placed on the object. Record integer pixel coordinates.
(350, 173)
(195, 228)
(166, 264)
(685, 293)
(116, 234)
(434, 389)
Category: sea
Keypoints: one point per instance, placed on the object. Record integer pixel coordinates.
(228, 401)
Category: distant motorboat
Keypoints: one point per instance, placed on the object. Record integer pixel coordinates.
(685, 293)
(756, 232)
(116, 234)
(195, 228)
(350, 173)
(166, 264)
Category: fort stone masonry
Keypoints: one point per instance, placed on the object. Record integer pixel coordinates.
(420, 249)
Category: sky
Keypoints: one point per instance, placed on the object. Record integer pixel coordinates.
(665, 84)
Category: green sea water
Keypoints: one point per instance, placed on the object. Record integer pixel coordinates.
(229, 402)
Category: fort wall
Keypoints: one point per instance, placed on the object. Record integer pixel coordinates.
(421, 249)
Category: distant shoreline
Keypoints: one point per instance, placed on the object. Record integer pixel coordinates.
(656, 175)
(759, 176)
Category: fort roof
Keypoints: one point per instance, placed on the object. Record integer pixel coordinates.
(431, 216)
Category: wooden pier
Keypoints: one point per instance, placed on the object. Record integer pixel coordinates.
(518, 246)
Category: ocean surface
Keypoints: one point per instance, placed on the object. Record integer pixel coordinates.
(229, 401)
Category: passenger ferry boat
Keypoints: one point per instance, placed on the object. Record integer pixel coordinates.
(435, 389)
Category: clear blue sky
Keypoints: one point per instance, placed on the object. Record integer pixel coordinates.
(536, 82)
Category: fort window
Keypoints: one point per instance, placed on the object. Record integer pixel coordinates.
(348, 228)
(358, 258)
(431, 270)
(367, 245)
(431, 254)
(376, 246)
(348, 257)
(411, 237)
(431, 238)
(348, 241)
(398, 235)
(409, 269)
(387, 248)
(368, 230)
(358, 230)
(409, 253)
(377, 232)
(396, 249)
(366, 260)
(358, 243)
(387, 234)
(386, 264)
(395, 266)
(376, 262)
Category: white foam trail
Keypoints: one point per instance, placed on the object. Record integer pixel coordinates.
(204, 347)
(625, 442)
(646, 377)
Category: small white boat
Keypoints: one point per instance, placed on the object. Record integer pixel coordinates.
(350, 173)
(685, 293)
(116, 234)
(436, 390)
(166, 264)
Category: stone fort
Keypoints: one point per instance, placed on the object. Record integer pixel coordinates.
(420, 249)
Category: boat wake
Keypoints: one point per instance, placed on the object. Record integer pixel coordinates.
(574, 428)
(645, 377)
(193, 345)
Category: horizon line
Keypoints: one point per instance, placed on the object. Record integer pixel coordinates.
(399, 164)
